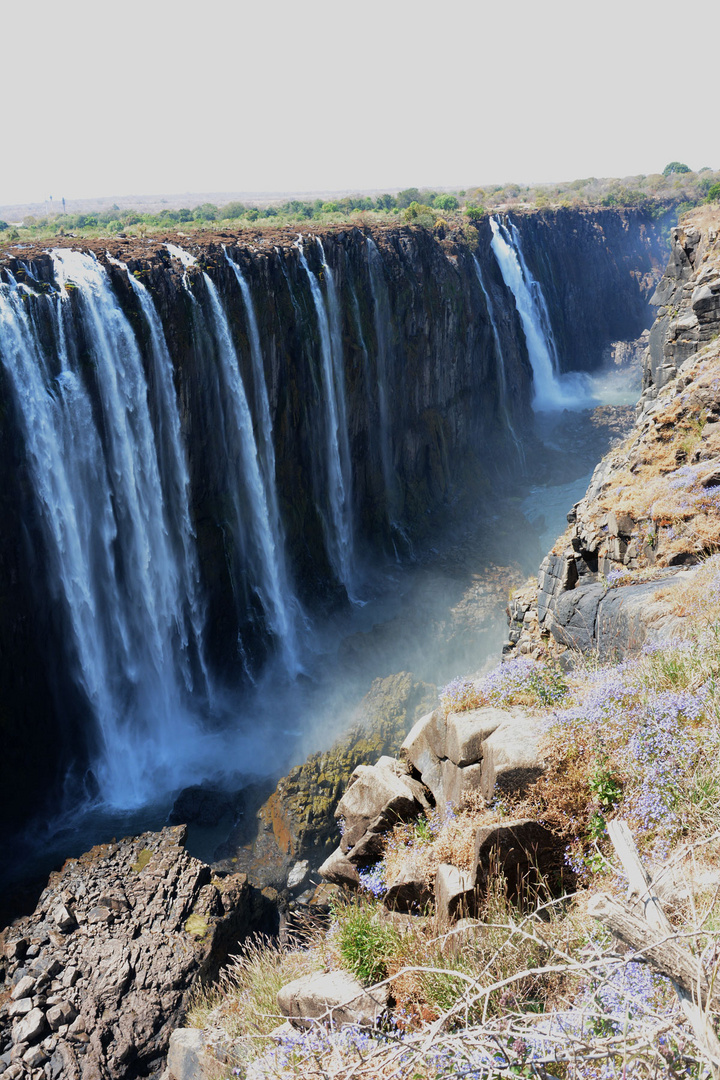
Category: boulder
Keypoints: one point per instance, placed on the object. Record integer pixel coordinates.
(62, 1013)
(454, 894)
(338, 869)
(24, 988)
(395, 765)
(631, 616)
(574, 617)
(467, 731)
(518, 849)
(408, 891)
(298, 874)
(457, 782)
(511, 756)
(424, 747)
(185, 1054)
(379, 798)
(332, 997)
(31, 1028)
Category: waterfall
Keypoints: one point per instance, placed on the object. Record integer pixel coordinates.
(267, 457)
(261, 526)
(94, 465)
(381, 311)
(174, 475)
(552, 392)
(338, 523)
(502, 377)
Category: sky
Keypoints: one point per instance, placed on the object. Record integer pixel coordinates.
(162, 96)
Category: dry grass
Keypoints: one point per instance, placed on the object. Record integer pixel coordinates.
(243, 1003)
(542, 995)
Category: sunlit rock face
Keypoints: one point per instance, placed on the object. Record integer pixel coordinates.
(200, 447)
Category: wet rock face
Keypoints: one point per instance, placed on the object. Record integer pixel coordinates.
(96, 979)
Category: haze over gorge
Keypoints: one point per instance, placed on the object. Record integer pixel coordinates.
(207, 450)
(247, 479)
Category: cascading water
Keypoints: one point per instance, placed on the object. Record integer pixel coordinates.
(267, 457)
(382, 320)
(551, 390)
(260, 529)
(174, 479)
(502, 377)
(106, 530)
(337, 520)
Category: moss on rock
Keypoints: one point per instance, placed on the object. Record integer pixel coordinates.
(301, 810)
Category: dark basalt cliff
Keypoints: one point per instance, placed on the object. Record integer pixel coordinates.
(598, 270)
(429, 406)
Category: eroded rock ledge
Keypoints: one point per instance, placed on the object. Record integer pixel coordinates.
(98, 976)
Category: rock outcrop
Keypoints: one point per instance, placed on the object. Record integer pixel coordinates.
(298, 820)
(687, 301)
(649, 511)
(97, 978)
(485, 750)
(478, 753)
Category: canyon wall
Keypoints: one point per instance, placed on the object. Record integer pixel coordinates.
(263, 420)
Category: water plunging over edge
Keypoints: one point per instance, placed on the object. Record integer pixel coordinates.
(338, 518)
(552, 391)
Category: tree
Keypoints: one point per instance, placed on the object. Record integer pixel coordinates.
(713, 193)
(446, 202)
(233, 210)
(409, 195)
(675, 167)
(206, 212)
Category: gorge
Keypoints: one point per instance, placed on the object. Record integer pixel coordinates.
(211, 445)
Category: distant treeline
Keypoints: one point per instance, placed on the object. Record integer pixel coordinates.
(677, 188)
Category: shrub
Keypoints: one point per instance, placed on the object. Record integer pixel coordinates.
(365, 943)
(404, 198)
(420, 214)
(233, 210)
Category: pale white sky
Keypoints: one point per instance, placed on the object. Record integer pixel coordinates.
(165, 96)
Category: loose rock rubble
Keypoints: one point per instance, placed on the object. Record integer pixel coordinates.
(95, 980)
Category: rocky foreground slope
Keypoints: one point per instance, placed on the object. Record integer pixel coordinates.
(94, 981)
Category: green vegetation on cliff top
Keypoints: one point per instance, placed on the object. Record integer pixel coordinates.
(676, 189)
